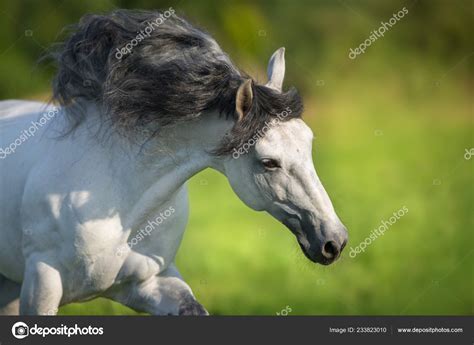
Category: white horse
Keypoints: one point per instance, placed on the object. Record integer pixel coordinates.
(90, 213)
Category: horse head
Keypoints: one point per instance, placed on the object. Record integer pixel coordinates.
(273, 171)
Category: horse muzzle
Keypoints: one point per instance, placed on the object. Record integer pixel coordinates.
(322, 243)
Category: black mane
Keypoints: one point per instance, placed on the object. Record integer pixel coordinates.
(174, 74)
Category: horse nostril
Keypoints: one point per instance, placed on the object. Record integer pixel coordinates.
(330, 250)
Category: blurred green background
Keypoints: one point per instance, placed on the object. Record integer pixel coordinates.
(391, 127)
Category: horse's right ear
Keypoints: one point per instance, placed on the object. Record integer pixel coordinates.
(276, 70)
(243, 99)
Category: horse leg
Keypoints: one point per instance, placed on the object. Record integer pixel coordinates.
(41, 290)
(9, 296)
(165, 294)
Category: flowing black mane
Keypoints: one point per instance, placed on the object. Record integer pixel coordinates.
(171, 73)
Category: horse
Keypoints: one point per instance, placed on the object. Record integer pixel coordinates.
(93, 183)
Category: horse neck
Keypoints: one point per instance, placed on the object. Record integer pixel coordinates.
(157, 169)
(186, 148)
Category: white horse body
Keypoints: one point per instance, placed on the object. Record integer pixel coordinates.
(74, 202)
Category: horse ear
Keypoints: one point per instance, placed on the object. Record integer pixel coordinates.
(276, 70)
(243, 99)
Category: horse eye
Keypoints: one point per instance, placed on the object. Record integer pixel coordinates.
(270, 163)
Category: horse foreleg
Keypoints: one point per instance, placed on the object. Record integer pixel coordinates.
(41, 290)
(165, 294)
(9, 297)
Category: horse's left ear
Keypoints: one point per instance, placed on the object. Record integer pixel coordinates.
(243, 99)
(276, 70)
